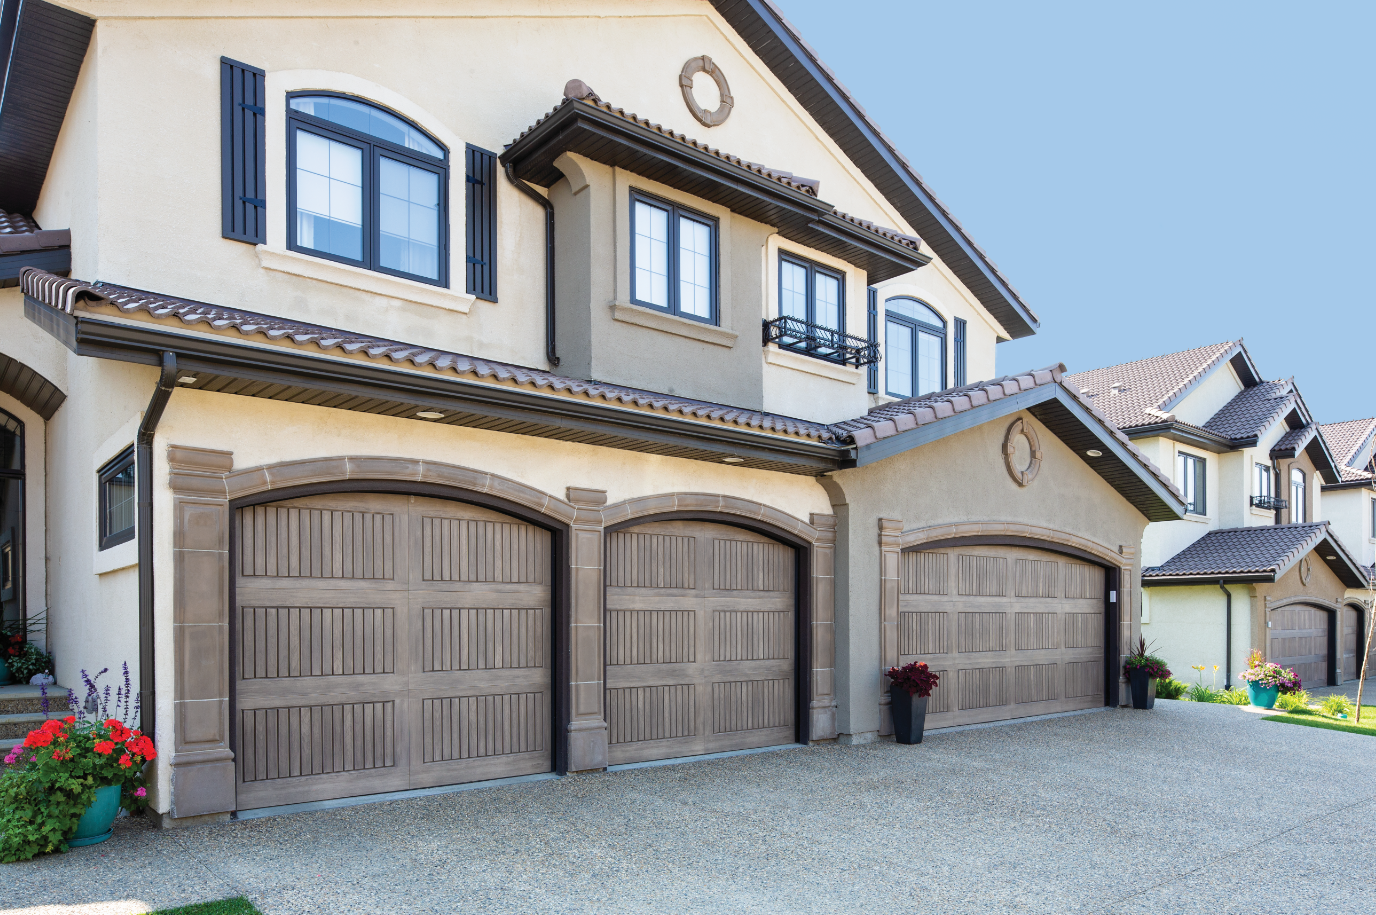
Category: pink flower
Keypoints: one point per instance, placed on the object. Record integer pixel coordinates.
(142, 792)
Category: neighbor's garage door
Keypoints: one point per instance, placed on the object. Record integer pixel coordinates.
(387, 642)
(1299, 639)
(700, 630)
(1012, 632)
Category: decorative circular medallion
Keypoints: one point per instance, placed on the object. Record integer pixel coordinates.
(692, 68)
(1022, 454)
(1306, 570)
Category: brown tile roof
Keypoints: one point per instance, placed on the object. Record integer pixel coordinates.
(1124, 393)
(1295, 439)
(16, 224)
(578, 92)
(1254, 410)
(1347, 440)
(1242, 551)
(20, 233)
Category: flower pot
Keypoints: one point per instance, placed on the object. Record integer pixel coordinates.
(98, 822)
(1143, 689)
(909, 715)
(4, 673)
(1263, 696)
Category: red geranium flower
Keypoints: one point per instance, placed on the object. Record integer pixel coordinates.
(104, 747)
(39, 738)
(125, 761)
(70, 719)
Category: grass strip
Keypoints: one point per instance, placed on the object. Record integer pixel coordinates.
(236, 906)
(1313, 720)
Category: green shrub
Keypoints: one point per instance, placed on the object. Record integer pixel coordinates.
(1170, 689)
(1334, 706)
(1294, 702)
(1201, 693)
(1233, 696)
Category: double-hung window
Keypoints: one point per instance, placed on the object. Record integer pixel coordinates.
(813, 297)
(673, 259)
(1298, 509)
(118, 500)
(1261, 486)
(914, 348)
(1192, 482)
(366, 188)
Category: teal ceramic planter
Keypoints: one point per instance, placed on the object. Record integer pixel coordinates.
(4, 673)
(1263, 696)
(98, 822)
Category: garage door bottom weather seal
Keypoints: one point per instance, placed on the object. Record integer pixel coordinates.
(651, 763)
(383, 798)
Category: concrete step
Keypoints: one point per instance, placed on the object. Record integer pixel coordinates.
(17, 726)
(18, 698)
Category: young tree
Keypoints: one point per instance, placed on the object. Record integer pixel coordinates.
(1370, 619)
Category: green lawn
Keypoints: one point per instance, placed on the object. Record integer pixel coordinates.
(1313, 719)
(237, 906)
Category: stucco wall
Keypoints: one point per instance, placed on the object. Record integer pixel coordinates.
(1208, 397)
(1349, 513)
(1188, 625)
(958, 479)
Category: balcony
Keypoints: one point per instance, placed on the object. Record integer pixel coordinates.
(820, 342)
(1269, 503)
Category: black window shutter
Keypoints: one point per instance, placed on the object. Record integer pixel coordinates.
(243, 149)
(960, 353)
(481, 234)
(872, 334)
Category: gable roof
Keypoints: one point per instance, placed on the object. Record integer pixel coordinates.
(484, 393)
(1349, 441)
(1253, 410)
(1140, 393)
(1262, 553)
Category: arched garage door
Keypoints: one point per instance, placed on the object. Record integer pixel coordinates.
(385, 642)
(700, 641)
(1013, 632)
(1299, 639)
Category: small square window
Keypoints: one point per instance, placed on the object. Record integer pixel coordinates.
(118, 500)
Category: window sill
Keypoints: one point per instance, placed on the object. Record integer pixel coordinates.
(393, 287)
(672, 324)
(798, 362)
(120, 556)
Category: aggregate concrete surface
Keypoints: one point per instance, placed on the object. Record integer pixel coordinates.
(1187, 808)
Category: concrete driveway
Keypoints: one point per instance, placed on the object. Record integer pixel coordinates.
(1188, 808)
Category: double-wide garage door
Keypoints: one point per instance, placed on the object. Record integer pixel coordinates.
(1013, 632)
(387, 642)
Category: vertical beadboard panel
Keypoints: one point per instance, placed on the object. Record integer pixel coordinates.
(637, 560)
(650, 637)
(1084, 678)
(983, 631)
(1084, 630)
(923, 633)
(468, 550)
(636, 713)
(924, 573)
(940, 699)
(749, 565)
(748, 705)
(1036, 682)
(283, 642)
(982, 688)
(982, 576)
(286, 542)
(752, 635)
(1084, 582)
(1036, 578)
(316, 740)
(472, 638)
(1035, 631)
(470, 727)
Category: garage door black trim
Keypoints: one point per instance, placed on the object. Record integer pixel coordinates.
(559, 580)
(802, 592)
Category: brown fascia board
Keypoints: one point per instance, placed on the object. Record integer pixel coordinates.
(1349, 484)
(1232, 578)
(816, 88)
(1189, 435)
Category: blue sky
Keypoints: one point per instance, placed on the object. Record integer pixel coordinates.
(1151, 176)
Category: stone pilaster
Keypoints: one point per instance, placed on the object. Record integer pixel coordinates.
(587, 688)
(822, 705)
(890, 555)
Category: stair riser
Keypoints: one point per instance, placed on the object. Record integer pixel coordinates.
(31, 706)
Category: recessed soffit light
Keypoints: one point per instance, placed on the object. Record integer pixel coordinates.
(430, 414)
(187, 379)
(1330, 557)
(1094, 452)
(733, 460)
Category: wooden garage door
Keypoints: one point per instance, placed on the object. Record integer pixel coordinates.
(1013, 632)
(700, 630)
(1352, 664)
(1299, 639)
(387, 642)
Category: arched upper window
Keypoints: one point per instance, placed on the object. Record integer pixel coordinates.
(366, 188)
(914, 348)
(1298, 508)
(11, 518)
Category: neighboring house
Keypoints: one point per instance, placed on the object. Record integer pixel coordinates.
(1350, 507)
(415, 415)
(1255, 563)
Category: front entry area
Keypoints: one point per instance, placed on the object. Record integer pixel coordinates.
(385, 642)
(701, 632)
(1300, 640)
(1011, 631)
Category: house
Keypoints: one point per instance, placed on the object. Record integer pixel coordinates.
(1256, 563)
(1350, 507)
(444, 395)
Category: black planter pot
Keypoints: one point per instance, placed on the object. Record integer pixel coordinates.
(909, 715)
(1143, 689)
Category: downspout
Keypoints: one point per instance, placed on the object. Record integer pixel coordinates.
(551, 353)
(1227, 639)
(143, 468)
(1281, 486)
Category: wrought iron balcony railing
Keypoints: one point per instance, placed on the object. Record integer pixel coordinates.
(1269, 503)
(821, 342)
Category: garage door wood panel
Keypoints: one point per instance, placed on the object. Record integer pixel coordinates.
(1018, 632)
(387, 642)
(1299, 640)
(700, 641)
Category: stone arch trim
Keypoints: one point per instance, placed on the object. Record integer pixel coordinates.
(815, 540)
(894, 540)
(1318, 603)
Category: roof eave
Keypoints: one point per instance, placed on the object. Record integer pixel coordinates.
(1212, 578)
(1187, 435)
